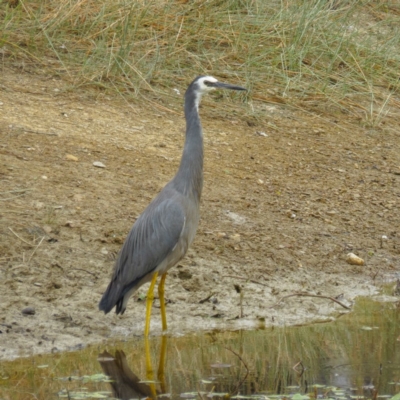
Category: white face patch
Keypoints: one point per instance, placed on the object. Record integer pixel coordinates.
(203, 88)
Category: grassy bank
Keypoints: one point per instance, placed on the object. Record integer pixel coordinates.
(334, 56)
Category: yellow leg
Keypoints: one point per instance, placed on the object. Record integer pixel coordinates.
(149, 369)
(161, 365)
(149, 304)
(162, 302)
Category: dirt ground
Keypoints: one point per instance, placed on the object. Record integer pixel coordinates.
(286, 197)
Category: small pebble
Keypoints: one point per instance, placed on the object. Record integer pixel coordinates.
(47, 228)
(29, 311)
(352, 259)
(99, 164)
(291, 214)
(70, 157)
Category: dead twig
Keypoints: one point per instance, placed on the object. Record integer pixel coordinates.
(245, 279)
(241, 293)
(15, 191)
(247, 371)
(12, 198)
(301, 372)
(34, 250)
(375, 275)
(311, 295)
(206, 298)
(42, 133)
(20, 238)
(84, 270)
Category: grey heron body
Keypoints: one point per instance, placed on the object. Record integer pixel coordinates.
(162, 234)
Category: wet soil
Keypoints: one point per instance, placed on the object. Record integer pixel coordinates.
(287, 196)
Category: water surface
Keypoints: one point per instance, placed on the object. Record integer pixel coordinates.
(357, 356)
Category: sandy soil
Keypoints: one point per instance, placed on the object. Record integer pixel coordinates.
(279, 213)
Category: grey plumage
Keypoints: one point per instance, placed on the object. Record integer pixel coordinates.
(164, 231)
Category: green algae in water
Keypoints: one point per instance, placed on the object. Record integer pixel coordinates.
(338, 361)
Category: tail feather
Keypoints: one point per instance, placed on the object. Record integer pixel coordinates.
(111, 297)
(118, 294)
(120, 308)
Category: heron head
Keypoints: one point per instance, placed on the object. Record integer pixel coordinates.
(206, 84)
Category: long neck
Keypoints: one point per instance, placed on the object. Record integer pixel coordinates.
(189, 178)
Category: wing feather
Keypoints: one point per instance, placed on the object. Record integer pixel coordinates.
(152, 238)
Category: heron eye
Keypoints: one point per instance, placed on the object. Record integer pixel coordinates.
(207, 83)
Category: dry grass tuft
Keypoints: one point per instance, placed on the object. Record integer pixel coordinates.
(335, 56)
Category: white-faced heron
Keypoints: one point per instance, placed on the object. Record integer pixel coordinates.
(162, 234)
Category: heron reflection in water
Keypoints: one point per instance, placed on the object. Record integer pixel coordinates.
(125, 384)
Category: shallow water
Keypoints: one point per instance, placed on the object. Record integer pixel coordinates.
(357, 356)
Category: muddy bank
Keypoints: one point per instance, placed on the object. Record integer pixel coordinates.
(279, 214)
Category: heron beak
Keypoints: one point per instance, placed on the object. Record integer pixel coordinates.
(227, 86)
